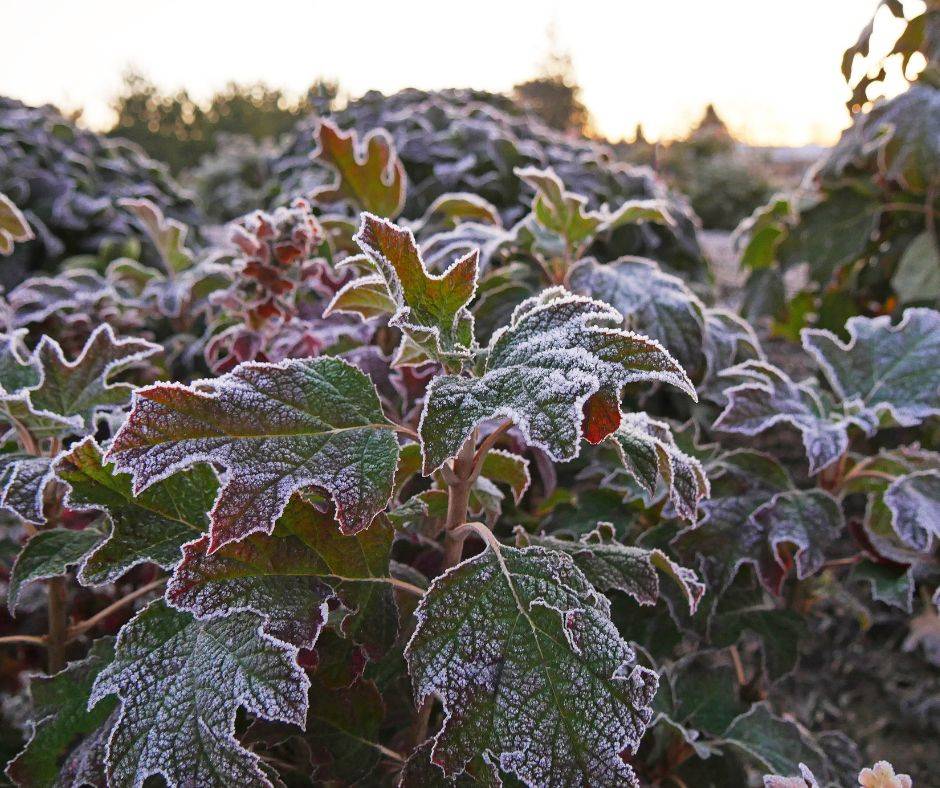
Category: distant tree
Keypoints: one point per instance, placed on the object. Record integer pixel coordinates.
(178, 130)
(554, 94)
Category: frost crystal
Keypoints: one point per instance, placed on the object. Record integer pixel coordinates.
(531, 671)
(275, 429)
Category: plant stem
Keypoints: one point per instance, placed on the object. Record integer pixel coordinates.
(88, 623)
(32, 640)
(58, 623)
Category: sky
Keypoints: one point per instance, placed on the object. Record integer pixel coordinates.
(771, 68)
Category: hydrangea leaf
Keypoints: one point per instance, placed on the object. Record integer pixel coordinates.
(13, 226)
(16, 373)
(168, 235)
(914, 503)
(889, 583)
(431, 309)
(768, 397)
(611, 566)
(81, 387)
(181, 682)
(774, 744)
(455, 208)
(779, 632)
(649, 453)
(884, 368)
(559, 211)
(420, 771)
(151, 526)
(366, 296)
(288, 577)
(48, 554)
(531, 671)
(504, 467)
(24, 479)
(369, 174)
(653, 303)
(63, 725)
(275, 429)
(556, 370)
(343, 731)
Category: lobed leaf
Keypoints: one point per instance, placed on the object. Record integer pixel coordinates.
(150, 526)
(914, 503)
(649, 453)
(289, 576)
(67, 740)
(369, 175)
(531, 671)
(884, 368)
(181, 682)
(556, 371)
(612, 566)
(168, 235)
(48, 554)
(276, 429)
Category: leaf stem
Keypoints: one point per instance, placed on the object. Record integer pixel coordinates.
(83, 626)
(404, 585)
(32, 640)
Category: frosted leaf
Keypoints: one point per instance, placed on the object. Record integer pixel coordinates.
(729, 340)
(652, 303)
(649, 453)
(774, 744)
(431, 309)
(884, 368)
(366, 296)
(275, 429)
(556, 370)
(48, 554)
(288, 577)
(914, 503)
(806, 779)
(726, 536)
(455, 208)
(168, 235)
(369, 174)
(40, 297)
(420, 771)
(24, 479)
(64, 728)
(890, 583)
(181, 682)
(151, 526)
(769, 397)
(16, 373)
(611, 566)
(504, 467)
(531, 671)
(13, 226)
(81, 388)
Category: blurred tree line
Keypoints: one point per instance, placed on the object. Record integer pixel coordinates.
(178, 130)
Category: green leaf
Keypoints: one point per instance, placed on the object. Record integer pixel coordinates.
(431, 309)
(23, 482)
(366, 296)
(151, 526)
(275, 429)
(288, 577)
(559, 211)
(369, 175)
(560, 362)
(649, 453)
(530, 669)
(68, 738)
(917, 277)
(48, 554)
(181, 683)
(779, 631)
(775, 745)
(611, 566)
(888, 583)
(914, 503)
(16, 373)
(453, 209)
(884, 368)
(652, 303)
(504, 467)
(767, 397)
(168, 235)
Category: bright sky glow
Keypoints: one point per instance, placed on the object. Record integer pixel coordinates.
(772, 69)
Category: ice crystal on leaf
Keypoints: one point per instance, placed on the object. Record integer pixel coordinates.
(556, 370)
(884, 368)
(611, 566)
(66, 746)
(368, 175)
(23, 482)
(649, 453)
(531, 671)
(430, 309)
(181, 682)
(151, 526)
(914, 503)
(275, 429)
(287, 577)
